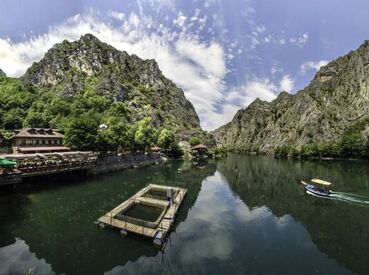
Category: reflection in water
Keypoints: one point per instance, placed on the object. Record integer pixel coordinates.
(242, 215)
(222, 235)
(18, 259)
(58, 224)
(338, 229)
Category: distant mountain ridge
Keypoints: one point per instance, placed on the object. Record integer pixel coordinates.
(335, 100)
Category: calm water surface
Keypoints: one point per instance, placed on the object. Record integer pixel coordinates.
(242, 215)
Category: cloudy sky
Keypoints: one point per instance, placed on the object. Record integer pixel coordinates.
(223, 54)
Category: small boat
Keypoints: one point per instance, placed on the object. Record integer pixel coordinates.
(318, 188)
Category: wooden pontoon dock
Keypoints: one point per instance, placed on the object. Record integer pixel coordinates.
(157, 230)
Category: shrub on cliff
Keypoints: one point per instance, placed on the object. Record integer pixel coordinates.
(282, 151)
(194, 141)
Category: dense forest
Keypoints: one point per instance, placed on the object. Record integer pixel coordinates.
(79, 116)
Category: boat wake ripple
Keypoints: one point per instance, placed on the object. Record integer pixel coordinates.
(350, 197)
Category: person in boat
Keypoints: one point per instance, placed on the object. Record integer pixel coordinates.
(170, 195)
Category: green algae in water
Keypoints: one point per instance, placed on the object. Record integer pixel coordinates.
(158, 194)
(143, 212)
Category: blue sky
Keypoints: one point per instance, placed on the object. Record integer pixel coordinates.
(223, 54)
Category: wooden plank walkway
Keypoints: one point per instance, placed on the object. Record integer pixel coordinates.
(164, 226)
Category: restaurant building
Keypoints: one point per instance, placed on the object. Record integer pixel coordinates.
(38, 140)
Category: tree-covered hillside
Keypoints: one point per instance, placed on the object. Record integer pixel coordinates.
(80, 85)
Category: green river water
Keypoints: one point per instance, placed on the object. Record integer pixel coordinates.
(241, 215)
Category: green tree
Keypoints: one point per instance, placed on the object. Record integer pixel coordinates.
(81, 133)
(144, 135)
(13, 119)
(105, 141)
(34, 119)
(194, 141)
(119, 133)
(165, 139)
(352, 144)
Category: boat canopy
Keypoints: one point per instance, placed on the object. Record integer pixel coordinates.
(322, 182)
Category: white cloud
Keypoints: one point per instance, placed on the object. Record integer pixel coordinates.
(180, 20)
(262, 89)
(282, 41)
(260, 35)
(276, 70)
(117, 15)
(260, 29)
(301, 40)
(254, 42)
(209, 58)
(268, 39)
(312, 65)
(224, 116)
(286, 84)
(244, 95)
(209, 3)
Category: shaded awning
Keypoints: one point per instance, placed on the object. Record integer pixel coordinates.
(322, 182)
(6, 162)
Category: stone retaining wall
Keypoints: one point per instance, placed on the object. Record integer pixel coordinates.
(115, 163)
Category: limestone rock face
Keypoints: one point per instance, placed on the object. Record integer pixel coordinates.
(335, 99)
(89, 57)
(2, 74)
(70, 68)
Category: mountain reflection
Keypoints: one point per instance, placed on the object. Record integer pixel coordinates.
(58, 223)
(241, 215)
(16, 258)
(338, 229)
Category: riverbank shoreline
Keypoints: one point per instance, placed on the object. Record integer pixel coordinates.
(109, 164)
(293, 157)
(101, 165)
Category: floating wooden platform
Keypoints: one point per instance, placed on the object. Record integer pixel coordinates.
(157, 230)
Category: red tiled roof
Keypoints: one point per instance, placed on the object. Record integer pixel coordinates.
(200, 146)
(39, 133)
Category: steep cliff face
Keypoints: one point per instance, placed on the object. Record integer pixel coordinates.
(2, 74)
(92, 70)
(74, 62)
(335, 99)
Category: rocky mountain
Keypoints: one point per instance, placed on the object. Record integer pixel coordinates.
(337, 99)
(2, 74)
(101, 77)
